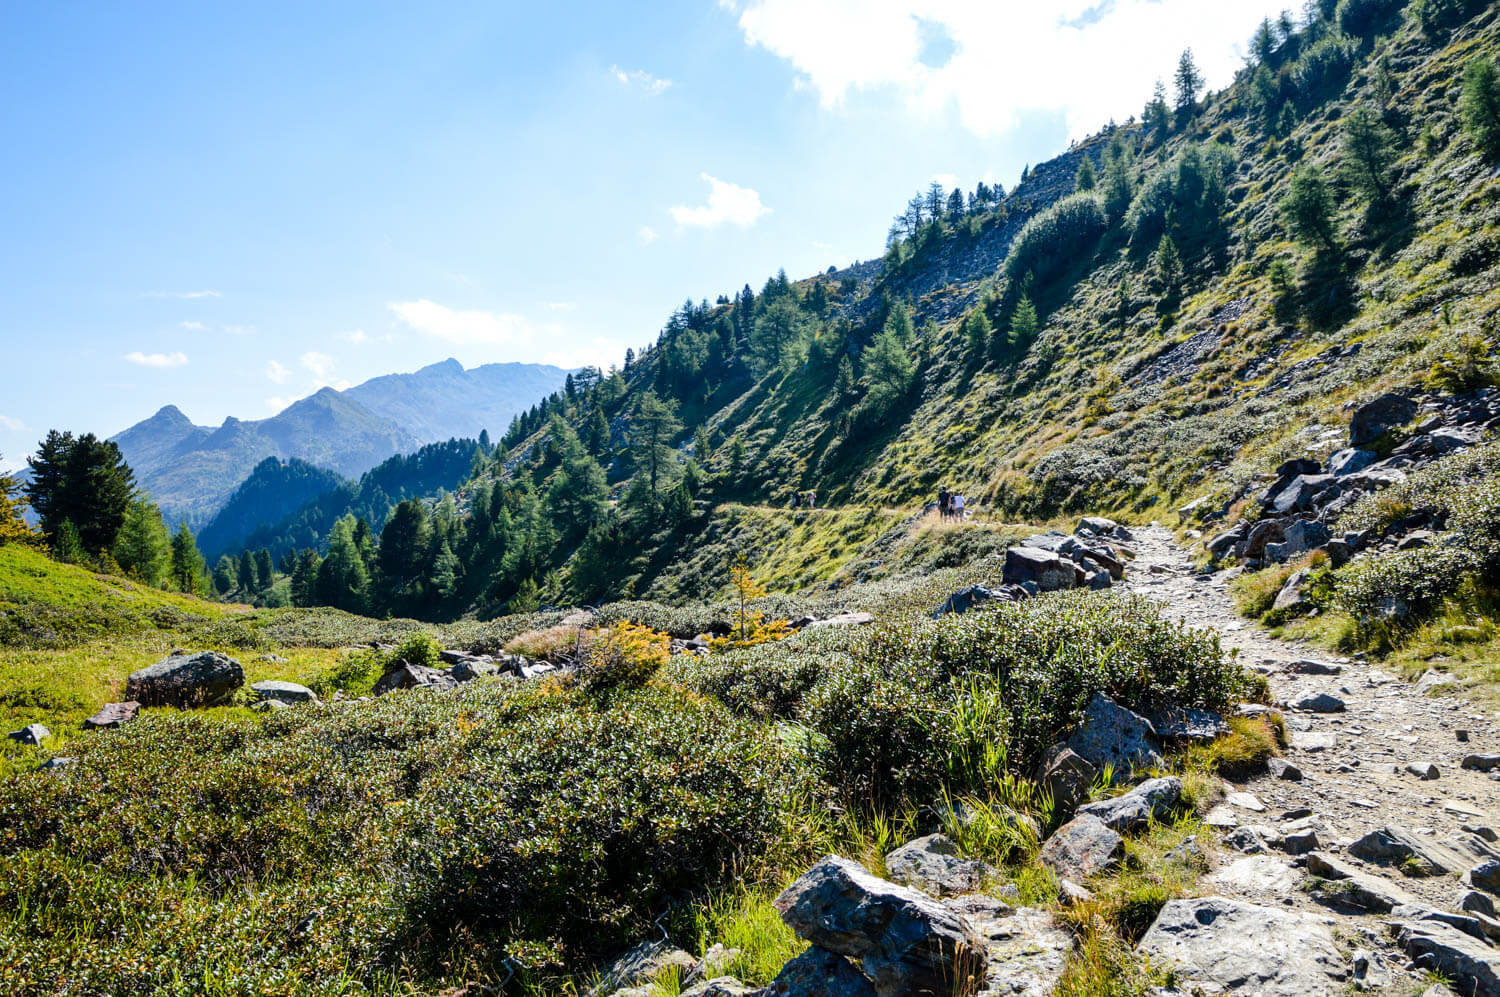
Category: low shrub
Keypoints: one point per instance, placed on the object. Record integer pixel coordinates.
(624, 656)
(552, 643)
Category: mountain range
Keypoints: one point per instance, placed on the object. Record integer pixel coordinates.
(190, 470)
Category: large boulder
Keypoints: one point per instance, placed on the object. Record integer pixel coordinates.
(932, 864)
(1151, 800)
(1047, 570)
(906, 942)
(1420, 855)
(1234, 947)
(1112, 735)
(1346, 888)
(1298, 537)
(1301, 493)
(1351, 461)
(186, 680)
(1082, 847)
(1025, 949)
(1291, 596)
(1098, 525)
(1375, 418)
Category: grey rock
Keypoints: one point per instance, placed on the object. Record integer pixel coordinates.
(1066, 776)
(1291, 597)
(640, 965)
(1191, 724)
(820, 973)
(1432, 679)
(1317, 702)
(1347, 888)
(932, 864)
(57, 763)
(1112, 735)
(1081, 848)
(722, 986)
(1098, 525)
(906, 942)
(1070, 893)
(1245, 839)
(1350, 460)
(1379, 415)
(1472, 965)
(1301, 536)
(1309, 666)
(1299, 842)
(1297, 465)
(1221, 544)
(1243, 948)
(714, 964)
(186, 680)
(1283, 769)
(404, 675)
(1025, 950)
(1485, 875)
(1048, 571)
(469, 669)
(1415, 540)
(1151, 800)
(284, 692)
(1415, 854)
(30, 734)
(1425, 771)
(112, 715)
(269, 706)
(1481, 763)
(1300, 494)
(1257, 874)
(974, 596)
(1475, 903)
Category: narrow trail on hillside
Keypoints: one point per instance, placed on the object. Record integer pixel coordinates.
(1353, 764)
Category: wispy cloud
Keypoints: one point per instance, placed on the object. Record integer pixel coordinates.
(240, 330)
(646, 234)
(194, 326)
(468, 328)
(276, 372)
(560, 306)
(186, 295)
(162, 360)
(727, 202)
(320, 366)
(357, 337)
(1083, 60)
(14, 425)
(653, 85)
(276, 404)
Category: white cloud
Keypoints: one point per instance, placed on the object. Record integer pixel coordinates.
(468, 328)
(320, 366)
(240, 330)
(157, 359)
(560, 306)
(948, 180)
(647, 235)
(195, 326)
(356, 337)
(653, 85)
(597, 352)
(276, 372)
(277, 404)
(1086, 60)
(188, 295)
(14, 425)
(727, 202)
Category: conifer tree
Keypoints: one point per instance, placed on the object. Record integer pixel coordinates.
(1263, 43)
(1085, 179)
(143, 548)
(654, 425)
(888, 364)
(1480, 107)
(978, 332)
(83, 480)
(1368, 156)
(1167, 263)
(1118, 186)
(1023, 324)
(1188, 81)
(579, 494)
(1157, 117)
(245, 571)
(265, 570)
(187, 562)
(343, 581)
(736, 456)
(1307, 210)
(305, 578)
(843, 381)
(224, 574)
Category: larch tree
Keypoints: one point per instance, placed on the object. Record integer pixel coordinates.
(1480, 106)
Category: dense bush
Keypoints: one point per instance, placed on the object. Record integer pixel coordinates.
(496, 819)
(1056, 238)
(1361, 18)
(1325, 66)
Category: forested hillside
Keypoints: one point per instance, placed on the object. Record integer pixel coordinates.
(1166, 312)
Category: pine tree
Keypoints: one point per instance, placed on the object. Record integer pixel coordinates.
(579, 494)
(447, 572)
(245, 571)
(1368, 156)
(978, 332)
(1188, 81)
(224, 574)
(265, 571)
(843, 381)
(1263, 44)
(143, 548)
(1480, 107)
(187, 563)
(305, 578)
(1157, 117)
(1307, 210)
(1086, 179)
(889, 369)
(1024, 324)
(1118, 186)
(67, 547)
(653, 427)
(596, 433)
(84, 480)
(343, 581)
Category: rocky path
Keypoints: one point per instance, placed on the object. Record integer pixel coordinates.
(1376, 789)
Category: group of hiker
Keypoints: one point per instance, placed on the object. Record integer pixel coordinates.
(805, 500)
(951, 505)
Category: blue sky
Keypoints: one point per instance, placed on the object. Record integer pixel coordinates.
(226, 206)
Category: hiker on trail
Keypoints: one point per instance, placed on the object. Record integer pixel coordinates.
(943, 502)
(796, 500)
(812, 499)
(956, 504)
